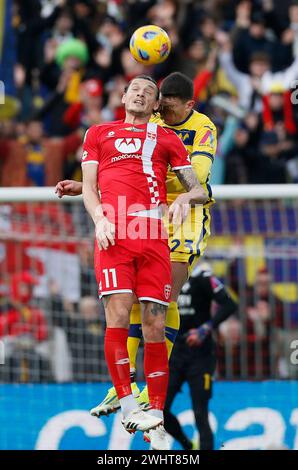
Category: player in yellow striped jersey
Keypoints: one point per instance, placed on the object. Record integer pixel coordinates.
(186, 242)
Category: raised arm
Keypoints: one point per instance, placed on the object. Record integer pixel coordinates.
(68, 188)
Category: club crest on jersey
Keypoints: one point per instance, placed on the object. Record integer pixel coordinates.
(151, 135)
(167, 291)
(111, 134)
(129, 145)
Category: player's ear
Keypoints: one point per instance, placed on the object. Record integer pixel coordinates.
(190, 104)
(123, 99)
(156, 106)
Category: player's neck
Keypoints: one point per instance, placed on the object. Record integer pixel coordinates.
(133, 119)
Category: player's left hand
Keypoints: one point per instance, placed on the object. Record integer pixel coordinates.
(179, 209)
(196, 336)
(105, 233)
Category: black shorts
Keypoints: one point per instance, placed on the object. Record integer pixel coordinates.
(189, 365)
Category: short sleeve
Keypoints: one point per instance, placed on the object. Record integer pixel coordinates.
(178, 155)
(90, 148)
(204, 148)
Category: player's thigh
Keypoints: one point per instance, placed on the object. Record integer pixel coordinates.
(189, 241)
(199, 376)
(117, 309)
(154, 277)
(116, 270)
(179, 277)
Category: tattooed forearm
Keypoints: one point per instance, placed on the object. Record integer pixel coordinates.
(195, 193)
(187, 178)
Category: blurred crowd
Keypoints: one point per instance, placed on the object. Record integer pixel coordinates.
(54, 339)
(65, 64)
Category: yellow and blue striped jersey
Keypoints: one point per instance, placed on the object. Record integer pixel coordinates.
(198, 133)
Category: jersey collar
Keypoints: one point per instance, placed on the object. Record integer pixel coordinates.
(182, 122)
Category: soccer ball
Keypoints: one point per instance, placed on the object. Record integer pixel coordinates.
(150, 45)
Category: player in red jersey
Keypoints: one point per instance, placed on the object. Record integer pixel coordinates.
(127, 161)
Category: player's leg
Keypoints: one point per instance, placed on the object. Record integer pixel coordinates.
(117, 310)
(156, 367)
(117, 277)
(134, 338)
(200, 383)
(110, 403)
(176, 379)
(179, 277)
(154, 291)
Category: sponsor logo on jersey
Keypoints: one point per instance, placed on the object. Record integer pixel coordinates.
(85, 155)
(125, 156)
(132, 129)
(167, 291)
(207, 138)
(185, 135)
(129, 145)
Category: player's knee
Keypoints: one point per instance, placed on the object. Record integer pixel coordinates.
(154, 329)
(117, 317)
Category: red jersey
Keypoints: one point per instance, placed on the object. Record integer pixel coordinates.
(132, 162)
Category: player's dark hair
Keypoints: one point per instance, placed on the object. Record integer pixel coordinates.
(179, 85)
(144, 77)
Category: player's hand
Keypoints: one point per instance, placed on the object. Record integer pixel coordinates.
(196, 336)
(105, 233)
(179, 209)
(68, 188)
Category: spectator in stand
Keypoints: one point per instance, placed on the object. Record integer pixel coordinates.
(251, 87)
(229, 349)
(30, 24)
(84, 330)
(23, 329)
(250, 37)
(87, 111)
(62, 74)
(33, 159)
(264, 313)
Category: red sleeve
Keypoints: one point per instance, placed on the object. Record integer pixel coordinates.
(178, 155)
(90, 147)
